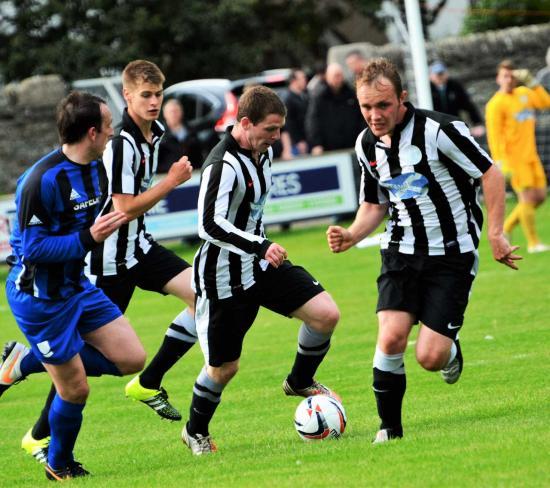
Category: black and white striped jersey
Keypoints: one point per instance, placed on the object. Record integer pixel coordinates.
(130, 162)
(232, 196)
(430, 178)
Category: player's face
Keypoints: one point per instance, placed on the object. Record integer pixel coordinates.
(144, 101)
(265, 133)
(382, 109)
(102, 137)
(506, 80)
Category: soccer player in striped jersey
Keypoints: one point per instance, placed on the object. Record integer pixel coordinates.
(130, 257)
(424, 169)
(510, 116)
(237, 269)
(74, 330)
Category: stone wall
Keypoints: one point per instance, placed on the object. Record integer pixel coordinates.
(27, 125)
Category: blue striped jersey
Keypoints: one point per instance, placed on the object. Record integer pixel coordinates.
(57, 201)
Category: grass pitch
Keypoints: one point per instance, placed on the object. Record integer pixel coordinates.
(490, 429)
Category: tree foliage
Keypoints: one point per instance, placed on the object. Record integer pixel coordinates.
(487, 15)
(187, 38)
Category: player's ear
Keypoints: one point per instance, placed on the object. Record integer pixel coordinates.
(245, 123)
(92, 133)
(403, 97)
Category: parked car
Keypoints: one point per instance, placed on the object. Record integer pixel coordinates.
(210, 105)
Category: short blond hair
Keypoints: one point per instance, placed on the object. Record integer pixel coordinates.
(141, 71)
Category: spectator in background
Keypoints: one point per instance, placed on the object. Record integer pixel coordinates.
(318, 78)
(450, 97)
(510, 116)
(333, 118)
(543, 76)
(356, 62)
(178, 139)
(293, 136)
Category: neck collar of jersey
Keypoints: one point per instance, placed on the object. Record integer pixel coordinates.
(130, 126)
(233, 142)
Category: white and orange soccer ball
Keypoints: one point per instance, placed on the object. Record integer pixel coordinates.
(320, 417)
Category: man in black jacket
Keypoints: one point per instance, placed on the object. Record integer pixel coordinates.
(178, 140)
(450, 97)
(333, 118)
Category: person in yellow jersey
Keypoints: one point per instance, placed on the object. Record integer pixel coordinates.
(510, 119)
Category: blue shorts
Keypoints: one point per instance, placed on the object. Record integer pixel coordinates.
(54, 328)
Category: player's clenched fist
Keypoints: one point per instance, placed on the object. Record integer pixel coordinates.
(180, 171)
(105, 225)
(338, 238)
(275, 255)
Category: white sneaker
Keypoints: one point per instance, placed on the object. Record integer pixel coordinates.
(385, 435)
(198, 443)
(10, 370)
(540, 247)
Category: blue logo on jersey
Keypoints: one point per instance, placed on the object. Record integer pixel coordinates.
(256, 208)
(407, 185)
(524, 115)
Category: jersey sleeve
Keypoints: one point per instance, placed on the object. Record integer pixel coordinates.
(539, 98)
(38, 244)
(119, 158)
(495, 122)
(455, 141)
(217, 183)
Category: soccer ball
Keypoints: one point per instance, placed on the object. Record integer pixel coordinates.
(320, 417)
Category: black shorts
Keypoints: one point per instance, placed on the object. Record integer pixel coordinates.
(222, 324)
(152, 272)
(435, 289)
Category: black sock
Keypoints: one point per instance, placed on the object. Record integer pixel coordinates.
(170, 351)
(312, 348)
(41, 428)
(206, 398)
(304, 369)
(389, 389)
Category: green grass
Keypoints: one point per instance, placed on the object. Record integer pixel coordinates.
(490, 429)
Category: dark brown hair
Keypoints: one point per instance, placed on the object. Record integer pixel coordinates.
(76, 113)
(257, 102)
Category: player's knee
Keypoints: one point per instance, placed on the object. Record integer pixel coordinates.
(134, 363)
(326, 318)
(76, 392)
(431, 360)
(224, 373)
(391, 342)
(329, 318)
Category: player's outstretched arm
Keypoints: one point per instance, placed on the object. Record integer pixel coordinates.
(135, 205)
(368, 218)
(493, 191)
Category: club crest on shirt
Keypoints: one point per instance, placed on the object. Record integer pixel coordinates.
(410, 155)
(407, 185)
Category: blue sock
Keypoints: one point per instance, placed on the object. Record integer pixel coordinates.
(65, 420)
(30, 364)
(96, 364)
